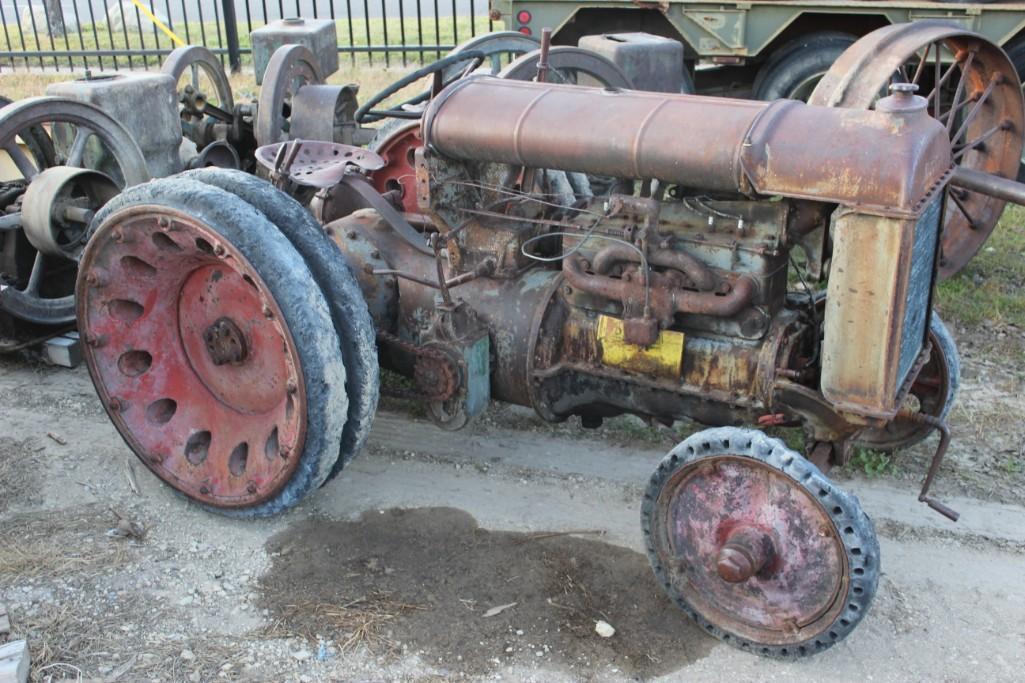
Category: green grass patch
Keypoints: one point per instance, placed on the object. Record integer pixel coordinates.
(872, 463)
(989, 291)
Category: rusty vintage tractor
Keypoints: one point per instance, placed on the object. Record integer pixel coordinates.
(584, 251)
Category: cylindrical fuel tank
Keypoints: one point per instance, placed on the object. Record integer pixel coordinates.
(860, 158)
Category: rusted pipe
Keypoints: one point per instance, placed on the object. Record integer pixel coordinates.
(664, 302)
(693, 268)
(988, 184)
(837, 155)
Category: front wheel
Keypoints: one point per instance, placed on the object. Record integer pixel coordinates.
(757, 545)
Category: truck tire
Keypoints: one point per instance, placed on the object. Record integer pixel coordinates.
(793, 70)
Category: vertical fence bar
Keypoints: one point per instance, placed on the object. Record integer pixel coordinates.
(402, 29)
(124, 30)
(384, 22)
(231, 33)
(420, 29)
(217, 23)
(96, 35)
(455, 24)
(7, 36)
(142, 36)
(249, 19)
(314, 3)
(35, 30)
(185, 20)
(156, 32)
(473, 18)
(348, 17)
(366, 25)
(21, 33)
(81, 40)
(202, 22)
(437, 27)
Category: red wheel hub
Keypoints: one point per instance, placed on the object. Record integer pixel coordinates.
(753, 549)
(190, 354)
(399, 172)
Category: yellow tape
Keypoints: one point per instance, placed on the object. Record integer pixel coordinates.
(159, 24)
(663, 358)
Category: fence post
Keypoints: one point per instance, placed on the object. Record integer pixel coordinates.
(231, 34)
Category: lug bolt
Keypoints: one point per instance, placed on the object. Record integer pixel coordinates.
(156, 459)
(164, 222)
(205, 490)
(117, 236)
(285, 452)
(93, 279)
(375, 254)
(251, 487)
(292, 387)
(219, 250)
(351, 234)
(267, 313)
(96, 341)
(115, 404)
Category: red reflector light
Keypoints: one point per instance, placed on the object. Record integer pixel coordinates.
(525, 30)
(523, 17)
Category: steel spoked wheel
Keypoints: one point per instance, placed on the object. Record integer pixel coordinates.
(972, 88)
(205, 80)
(49, 221)
(211, 347)
(290, 68)
(933, 393)
(756, 545)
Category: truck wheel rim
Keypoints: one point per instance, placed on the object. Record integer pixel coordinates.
(191, 357)
(750, 550)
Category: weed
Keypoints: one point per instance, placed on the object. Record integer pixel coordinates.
(872, 463)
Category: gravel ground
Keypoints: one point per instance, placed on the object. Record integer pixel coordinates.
(388, 572)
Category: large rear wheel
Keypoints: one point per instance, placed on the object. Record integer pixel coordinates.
(212, 347)
(348, 309)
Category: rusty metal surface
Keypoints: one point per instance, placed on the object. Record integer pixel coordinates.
(316, 163)
(783, 148)
(765, 566)
(159, 311)
(984, 78)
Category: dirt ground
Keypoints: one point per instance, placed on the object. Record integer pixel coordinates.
(389, 572)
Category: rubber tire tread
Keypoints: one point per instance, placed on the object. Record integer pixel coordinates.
(751, 443)
(349, 310)
(789, 60)
(302, 304)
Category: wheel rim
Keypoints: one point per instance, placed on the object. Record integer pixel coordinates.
(193, 61)
(45, 294)
(399, 172)
(290, 68)
(930, 394)
(986, 130)
(566, 65)
(495, 46)
(191, 357)
(750, 550)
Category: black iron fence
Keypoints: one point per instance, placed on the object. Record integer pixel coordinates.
(132, 34)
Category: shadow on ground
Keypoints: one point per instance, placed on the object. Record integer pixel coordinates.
(422, 580)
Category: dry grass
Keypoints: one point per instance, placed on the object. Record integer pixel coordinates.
(352, 625)
(52, 544)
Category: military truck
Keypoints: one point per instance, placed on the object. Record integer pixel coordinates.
(763, 49)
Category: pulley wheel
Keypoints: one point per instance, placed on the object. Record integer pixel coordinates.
(290, 68)
(397, 141)
(349, 312)
(972, 89)
(205, 82)
(41, 287)
(212, 347)
(755, 544)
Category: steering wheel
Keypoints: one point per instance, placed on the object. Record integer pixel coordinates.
(368, 114)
